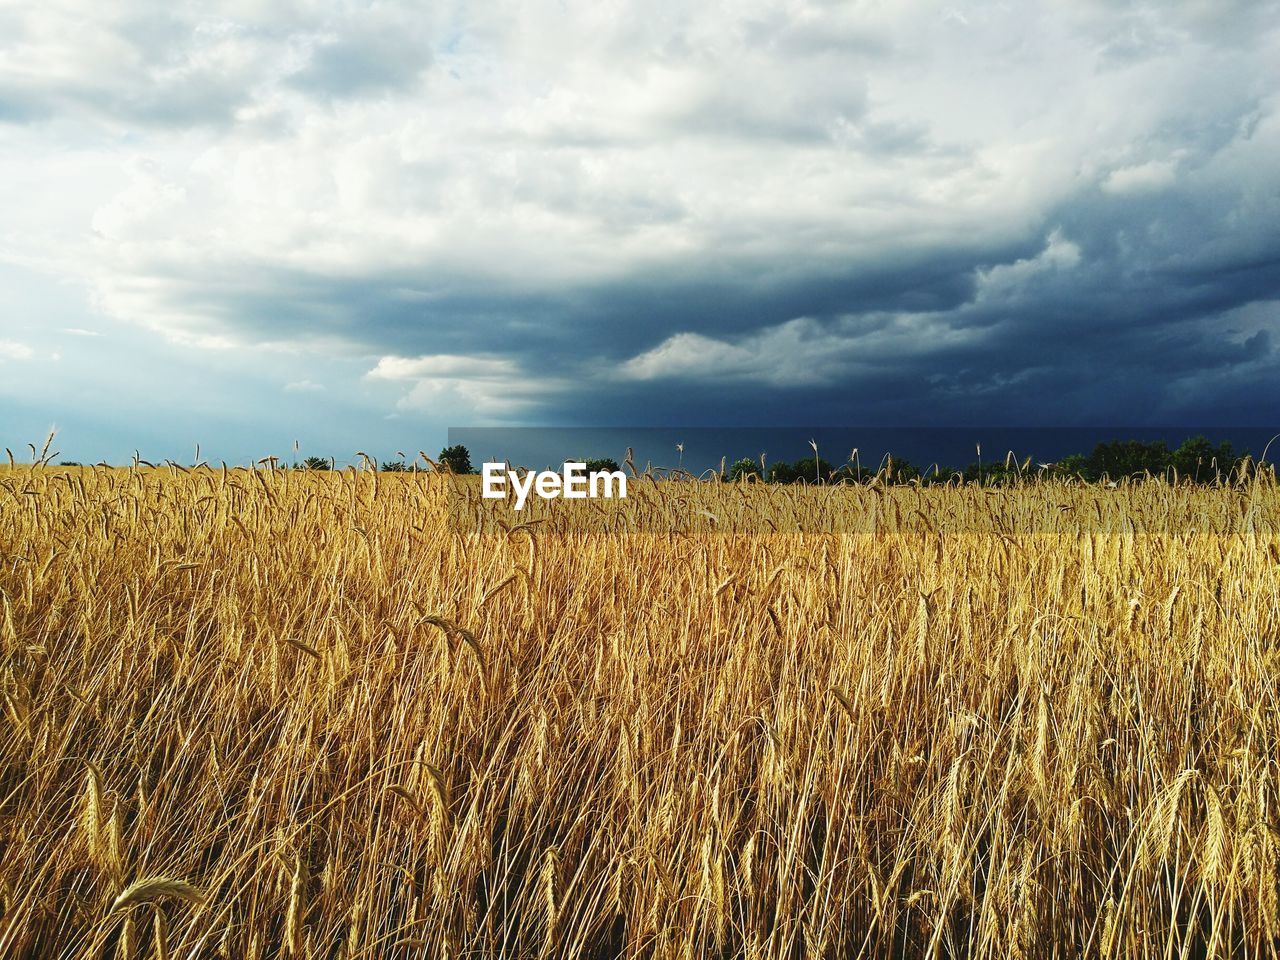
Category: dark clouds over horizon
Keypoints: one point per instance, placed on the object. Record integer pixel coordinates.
(364, 222)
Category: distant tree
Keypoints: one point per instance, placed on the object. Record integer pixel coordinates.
(68, 463)
(812, 470)
(746, 467)
(601, 464)
(456, 459)
(900, 470)
(1199, 460)
(805, 470)
(394, 466)
(992, 474)
(1075, 465)
(940, 475)
(317, 463)
(1123, 458)
(782, 472)
(852, 473)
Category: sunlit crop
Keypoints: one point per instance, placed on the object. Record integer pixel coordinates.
(279, 713)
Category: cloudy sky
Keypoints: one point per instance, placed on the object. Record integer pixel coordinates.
(355, 224)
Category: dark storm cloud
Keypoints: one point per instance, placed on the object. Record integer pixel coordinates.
(1129, 319)
(1143, 325)
(410, 310)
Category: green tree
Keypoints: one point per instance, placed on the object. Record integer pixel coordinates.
(601, 464)
(782, 472)
(1124, 458)
(812, 470)
(746, 467)
(939, 474)
(317, 463)
(1075, 465)
(852, 472)
(900, 470)
(1199, 460)
(991, 474)
(456, 459)
(394, 466)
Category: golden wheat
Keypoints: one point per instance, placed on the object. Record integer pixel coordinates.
(345, 715)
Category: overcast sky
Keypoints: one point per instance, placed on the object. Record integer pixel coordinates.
(354, 224)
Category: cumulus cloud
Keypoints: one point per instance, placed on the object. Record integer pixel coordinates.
(12, 350)
(364, 58)
(478, 389)
(1152, 175)
(143, 62)
(798, 353)
(1008, 280)
(442, 365)
(824, 206)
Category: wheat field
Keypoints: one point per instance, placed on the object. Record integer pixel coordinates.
(260, 714)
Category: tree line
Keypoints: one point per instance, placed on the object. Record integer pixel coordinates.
(1196, 460)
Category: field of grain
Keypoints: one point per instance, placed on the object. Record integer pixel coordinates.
(304, 714)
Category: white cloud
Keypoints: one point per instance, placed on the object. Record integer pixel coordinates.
(694, 355)
(1152, 175)
(12, 350)
(799, 353)
(163, 65)
(443, 366)
(486, 388)
(478, 402)
(1008, 279)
